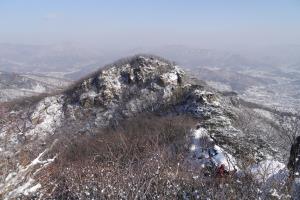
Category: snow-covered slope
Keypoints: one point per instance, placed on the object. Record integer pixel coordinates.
(14, 86)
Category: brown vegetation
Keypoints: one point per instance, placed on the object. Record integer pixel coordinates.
(143, 158)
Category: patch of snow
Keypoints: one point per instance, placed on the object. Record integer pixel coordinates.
(193, 148)
(9, 176)
(24, 189)
(170, 78)
(274, 193)
(49, 112)
(207, 153)
(167, 92)
(267, 169)
(38, 160)
(14, 184)
(216, 103)
(39, 89)
(90, 94)
(33, 189)
(223, 158)
(204, 95)
(199, 133)
(110, 79)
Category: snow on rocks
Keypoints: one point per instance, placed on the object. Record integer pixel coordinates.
(88, 95)
(200, 133)
(206, 152)
(204, 147)
(269, 169)
(207, 97)
(272, 177)
(171, 78)
(30, 126)
(26, 189)
(220, 157)
(110, 83)
(21, 182)
(47, 116)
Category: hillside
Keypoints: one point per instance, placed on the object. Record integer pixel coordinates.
(140, 128)
(13, 86)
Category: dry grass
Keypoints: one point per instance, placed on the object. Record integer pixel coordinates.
(128, 156)
(130, 140)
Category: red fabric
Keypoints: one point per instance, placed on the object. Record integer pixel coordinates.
(221, 170)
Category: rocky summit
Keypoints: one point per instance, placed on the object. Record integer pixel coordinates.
(228, 137)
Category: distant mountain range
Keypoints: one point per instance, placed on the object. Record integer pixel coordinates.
(256, 74)
(69, 60)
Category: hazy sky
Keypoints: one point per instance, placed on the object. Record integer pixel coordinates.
(153, 22)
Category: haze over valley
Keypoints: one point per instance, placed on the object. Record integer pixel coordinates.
(269, 75)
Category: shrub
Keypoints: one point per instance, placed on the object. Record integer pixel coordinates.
(142, 158)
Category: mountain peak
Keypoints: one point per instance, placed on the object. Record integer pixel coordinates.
(122, 91)
(132, 76)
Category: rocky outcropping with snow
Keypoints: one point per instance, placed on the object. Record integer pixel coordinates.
(120, 91)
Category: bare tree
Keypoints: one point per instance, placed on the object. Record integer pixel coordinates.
(289, 126)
